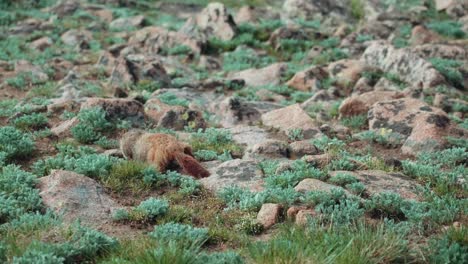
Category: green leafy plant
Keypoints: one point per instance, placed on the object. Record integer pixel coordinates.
(184, 235)
(343, 179)
(14, 143)
(295, 134)
(92, 123)
(30, 121)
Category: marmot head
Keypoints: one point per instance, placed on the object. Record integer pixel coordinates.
(128, 141)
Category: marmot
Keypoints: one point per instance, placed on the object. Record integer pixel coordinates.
(162, 150)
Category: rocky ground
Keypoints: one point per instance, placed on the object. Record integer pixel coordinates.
(334, 131)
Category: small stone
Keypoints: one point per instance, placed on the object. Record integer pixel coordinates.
(291, 117)
(303, 216)
(293, 210)
(269, 75)
(301, 148)
(310, 184)
(271, 148)
(269, 214)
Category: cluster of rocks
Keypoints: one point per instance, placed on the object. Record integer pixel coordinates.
(260, 126)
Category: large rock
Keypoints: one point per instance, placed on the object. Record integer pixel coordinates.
(310, 185)
(63, 129)
(173, 116)
(234, 111)
(347, 72)
(402, 62)
(269, 214)
(76, 197)
(117, 108)
(310, 79)
(270, 75)
(291, 117)
(453, 52)
(270, 148)
(137, 68)
(301, 148)
(154, 39)
(377, 181)
(360, 104)
(424, 127)
(127, 23)
(248, 135)
(213, 21)
(242, 173)
(310, 10)
(422, 35)
(75, 37)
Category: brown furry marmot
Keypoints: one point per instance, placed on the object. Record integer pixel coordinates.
(161, 150)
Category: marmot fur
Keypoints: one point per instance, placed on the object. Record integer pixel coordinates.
(161, 150)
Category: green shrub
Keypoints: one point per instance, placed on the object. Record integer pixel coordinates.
(18, 194)
(38, 257)
(30, 121)
(317, 244)
(448, 28)
(242, 59)
(81, 159)
(449, 69)
(120, 215)
(296, 134)
(344, 213)
(183, 235)
(356, 188)
(452, 247)
(92, 123)
(214, 139)
(187, 185)
(342, 179)
(126, 175)
(324, 143)
(325, 198)
(89, 243)
(250, 226)
(153, 207)
(357, 9)
(106, 143)
(226, 257)
(355, 122)
(30, 222)
(14, 143)
(172, 99)
(387, 204)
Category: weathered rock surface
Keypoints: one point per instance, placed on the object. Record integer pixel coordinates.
(291, 117)
(424, 127)
(377, 181)
(270, 75)
(309, 184)
(270, 148)
(404, 63)
(213, 21)
(309, 79)
(243, 173)
(117, 108)
(76, 197)
(360, 104)
(269, 214)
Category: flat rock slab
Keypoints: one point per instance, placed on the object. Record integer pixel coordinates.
(238, 172)
(377, 181)
(309, 185)
(291, 117)
(76, 197)
(248, 135)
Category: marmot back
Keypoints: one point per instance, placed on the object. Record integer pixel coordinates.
(161, 150)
